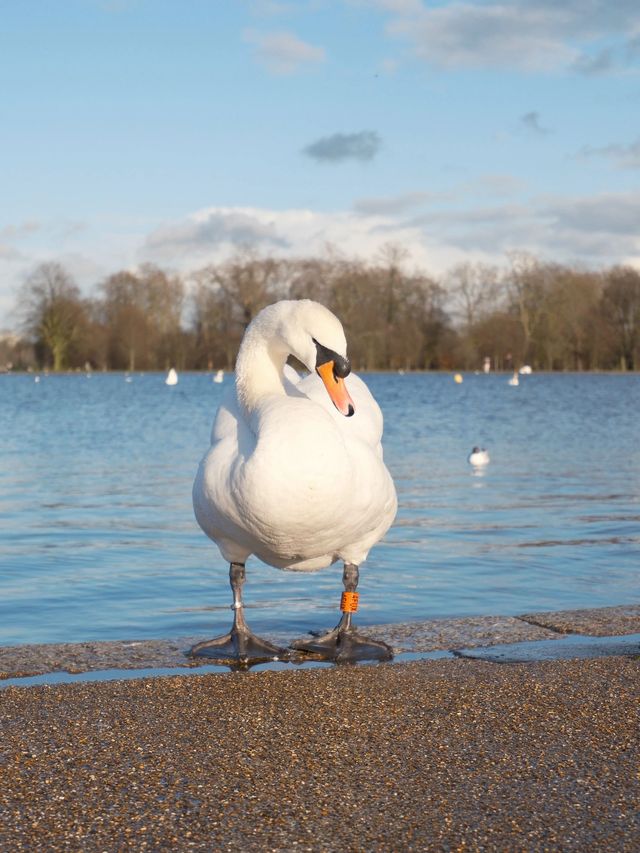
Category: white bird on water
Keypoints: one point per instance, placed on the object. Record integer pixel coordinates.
(219, 376)
(479, 457)
(172, 377)
(295, 473)
(514, 379)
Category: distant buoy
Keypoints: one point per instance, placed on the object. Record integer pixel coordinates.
(458, 378)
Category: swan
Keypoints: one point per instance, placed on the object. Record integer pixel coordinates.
(514, 379)
(479, 457)
(172, 377)
(219, 376)
(295, 473)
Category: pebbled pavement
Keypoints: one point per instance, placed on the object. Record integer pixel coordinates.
(439, 755)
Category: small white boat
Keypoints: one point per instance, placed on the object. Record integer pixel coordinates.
(172, 377)
(514, 379)
(479, 457)
(219, 377)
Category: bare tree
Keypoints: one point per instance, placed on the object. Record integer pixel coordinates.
(474, 289)
(129, 330)
(527, 283)
(572, 301)
(52, 310)
(621, 301)
(143, 312)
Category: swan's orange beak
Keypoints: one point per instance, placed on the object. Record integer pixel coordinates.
(336, 389)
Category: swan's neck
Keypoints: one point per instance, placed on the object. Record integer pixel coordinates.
(259, 370)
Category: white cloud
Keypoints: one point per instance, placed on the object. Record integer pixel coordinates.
(287, 233)
(494, 185)
(488, 36)
(345, 146)
(207, 230)
(282, 52)
(19, 231)
(393, 205)
(525, 35)
(10, 253)
(622, 156)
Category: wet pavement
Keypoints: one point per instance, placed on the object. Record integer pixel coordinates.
(425, 636)
(569, 648)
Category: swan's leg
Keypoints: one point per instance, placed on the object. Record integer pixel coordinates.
(240, 644)
(345, 643)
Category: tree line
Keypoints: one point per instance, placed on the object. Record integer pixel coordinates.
(548, 315)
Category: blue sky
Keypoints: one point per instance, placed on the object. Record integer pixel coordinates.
(174, 131)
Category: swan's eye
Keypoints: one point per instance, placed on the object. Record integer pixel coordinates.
(341, 365)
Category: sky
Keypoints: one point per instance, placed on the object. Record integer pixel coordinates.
(177, 131)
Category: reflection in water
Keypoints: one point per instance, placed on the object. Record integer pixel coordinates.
(98, 541)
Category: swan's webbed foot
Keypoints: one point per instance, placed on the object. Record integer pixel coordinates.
(242, 647)
(344, 645)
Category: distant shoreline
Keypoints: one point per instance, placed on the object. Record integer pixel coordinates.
(399, 371)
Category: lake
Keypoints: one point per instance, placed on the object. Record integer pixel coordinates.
(98, 539)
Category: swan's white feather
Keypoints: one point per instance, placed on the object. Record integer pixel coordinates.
(290, 479)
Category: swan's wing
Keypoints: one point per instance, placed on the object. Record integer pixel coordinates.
(226, 420)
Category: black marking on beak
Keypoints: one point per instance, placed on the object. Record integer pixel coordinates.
(341, 365)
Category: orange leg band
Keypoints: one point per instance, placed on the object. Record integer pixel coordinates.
(349, 602)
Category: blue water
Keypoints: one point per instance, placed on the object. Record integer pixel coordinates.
(98, 540)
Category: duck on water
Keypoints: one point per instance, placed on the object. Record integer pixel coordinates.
(295, 474)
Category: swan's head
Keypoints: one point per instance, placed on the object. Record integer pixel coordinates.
(316, 338)
(311, 333)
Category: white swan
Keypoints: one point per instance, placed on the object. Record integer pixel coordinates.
(514, 379)
(172, 377)
(290, 476)
(219, 376)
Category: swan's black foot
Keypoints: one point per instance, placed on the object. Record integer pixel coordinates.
(241, 647)
(344, 645)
